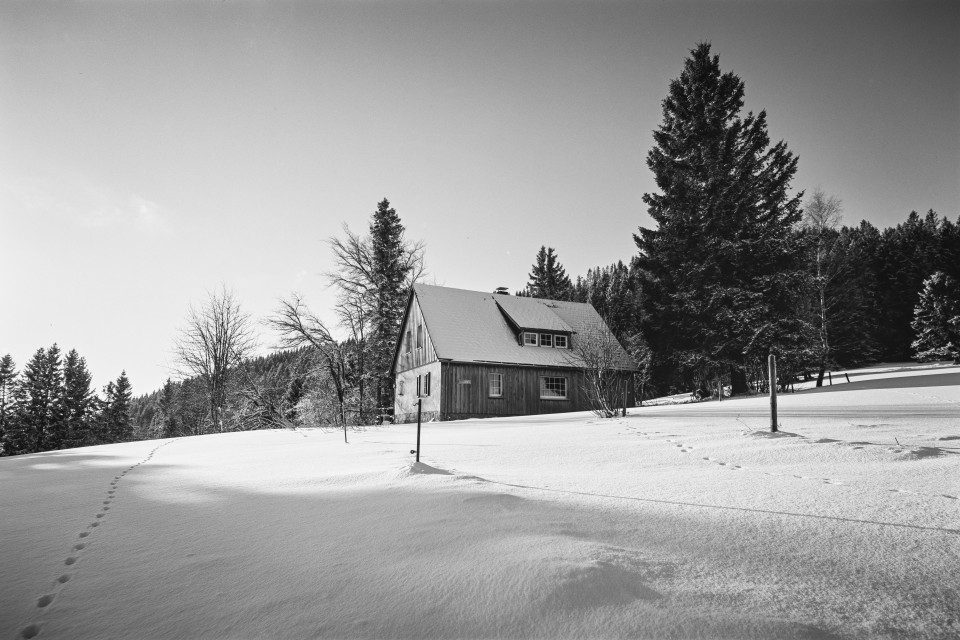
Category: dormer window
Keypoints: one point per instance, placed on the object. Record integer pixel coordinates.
(555, 340)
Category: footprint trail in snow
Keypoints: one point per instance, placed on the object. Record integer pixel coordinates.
(45, 601)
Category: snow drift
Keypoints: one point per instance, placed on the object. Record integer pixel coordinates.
(677, 521)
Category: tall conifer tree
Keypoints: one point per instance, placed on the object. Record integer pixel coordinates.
(548, 278)
(117, 425)
(936, 319)
(8, 379)
(721, 271)
(390, 270)
(77, 399)
(41, 420)
(167, 414)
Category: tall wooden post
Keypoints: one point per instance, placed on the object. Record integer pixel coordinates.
(419, 407)
(772, 360)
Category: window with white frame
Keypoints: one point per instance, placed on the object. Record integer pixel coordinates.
(400, 387)
(553, 388)
(419, 336)
(496, 385)
(546, 340)
(560, 342)
(530, 339)
(408, 342)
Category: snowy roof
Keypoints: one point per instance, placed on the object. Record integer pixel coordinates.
(474, 326)
(528, 316)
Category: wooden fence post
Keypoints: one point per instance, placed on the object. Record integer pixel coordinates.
(419, 407)
(773, 392)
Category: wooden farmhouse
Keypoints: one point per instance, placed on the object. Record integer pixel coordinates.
(470, 354)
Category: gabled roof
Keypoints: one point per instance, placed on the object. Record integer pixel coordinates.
(473, 326)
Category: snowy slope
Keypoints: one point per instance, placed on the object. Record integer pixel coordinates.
(684, 521)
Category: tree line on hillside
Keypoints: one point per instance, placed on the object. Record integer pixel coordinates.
(867, 296)
(265, 391)
(50, 405)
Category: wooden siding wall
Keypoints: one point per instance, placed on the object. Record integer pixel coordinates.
(415, 357)
(521, 391)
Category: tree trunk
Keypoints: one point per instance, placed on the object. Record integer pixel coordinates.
(823, 368)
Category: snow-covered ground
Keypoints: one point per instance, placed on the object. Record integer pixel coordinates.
(688, 521)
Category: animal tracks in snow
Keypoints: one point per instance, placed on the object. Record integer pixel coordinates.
(916, 453)
(47, 600)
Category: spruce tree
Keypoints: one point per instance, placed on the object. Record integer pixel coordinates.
(936, 319)
(390, 270)
(291, 400)
(167, 410)
(118, 426)
(78, 399)
(722, 270)
(41, 424)
(8, 379)
(548, 278)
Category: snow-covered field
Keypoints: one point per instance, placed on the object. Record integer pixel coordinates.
(686, 521)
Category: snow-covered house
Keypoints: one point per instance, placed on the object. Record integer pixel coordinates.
(470, 354)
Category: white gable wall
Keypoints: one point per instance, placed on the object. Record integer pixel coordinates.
(405, 403)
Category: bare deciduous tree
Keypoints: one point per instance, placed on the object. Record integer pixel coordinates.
(821, 216)
(298, 327)
(359, 282)
(606, 374)
(216, 339)
(261, 402)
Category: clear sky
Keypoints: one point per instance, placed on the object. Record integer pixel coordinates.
(150, 151)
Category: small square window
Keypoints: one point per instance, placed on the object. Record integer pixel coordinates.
(546, 340)
(560, 342)
(530, 339)
(496, 385)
